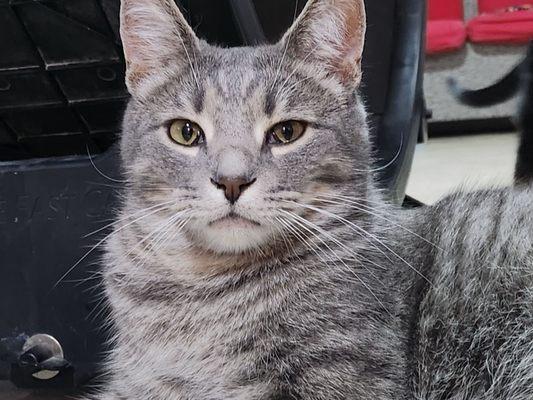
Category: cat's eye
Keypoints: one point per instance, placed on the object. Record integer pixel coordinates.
(286, 132)
(185, 132)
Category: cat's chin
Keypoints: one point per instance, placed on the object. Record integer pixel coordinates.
(234, 222)
(234, 235)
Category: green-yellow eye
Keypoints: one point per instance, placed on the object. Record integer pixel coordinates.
(286, 132)
(185, 132)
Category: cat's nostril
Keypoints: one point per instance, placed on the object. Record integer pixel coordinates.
(233, 187)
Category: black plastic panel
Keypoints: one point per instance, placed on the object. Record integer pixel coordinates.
(92, 84)
(56, 145)
(86, 12)
(102, 117)
(210, 20)
(46, 209)
(17, 52)
(47, 122)
(404, 112)
(28, 90)
(9, 147)
(62, 41)
(5, 135)
(60, 61)
(376, 62)
(111, 10)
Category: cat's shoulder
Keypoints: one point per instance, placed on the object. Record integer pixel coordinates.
(483, 206)
(506, 210)
(496, 219)
(520, 194)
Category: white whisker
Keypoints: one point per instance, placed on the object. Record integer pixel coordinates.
(99, 244)
(128, 217)
(365, 232)
(100, 172)
(359, 206)
(359, 279)
(194, 74)
(287, 42)
(328, 235)
(153, 235)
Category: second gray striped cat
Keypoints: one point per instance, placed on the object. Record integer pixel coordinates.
(253, 257)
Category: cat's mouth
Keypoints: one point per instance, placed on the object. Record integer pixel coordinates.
(233, 220)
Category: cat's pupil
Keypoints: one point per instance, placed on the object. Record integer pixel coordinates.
(288, 131)
(187, 132)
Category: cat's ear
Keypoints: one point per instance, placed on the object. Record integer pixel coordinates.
(154, 35)
(331, 32)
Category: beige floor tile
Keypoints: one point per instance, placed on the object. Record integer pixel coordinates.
(475, 161)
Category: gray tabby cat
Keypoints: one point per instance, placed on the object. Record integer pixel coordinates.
(255, 259)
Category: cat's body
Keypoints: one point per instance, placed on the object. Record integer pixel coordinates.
(296, 280)
(474, 325)
(300, 329)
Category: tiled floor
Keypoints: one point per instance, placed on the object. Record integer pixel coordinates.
(472, 161)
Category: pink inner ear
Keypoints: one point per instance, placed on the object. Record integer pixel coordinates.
(353, 46)
(356, 26)
(333, 32)
(155, 35)
(135, 47)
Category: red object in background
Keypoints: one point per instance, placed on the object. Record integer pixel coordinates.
(446, 30)
(445, 9)
(502, 21)
(489, 6)
(444, 36)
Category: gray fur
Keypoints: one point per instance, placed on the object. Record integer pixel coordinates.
(474, 333)
(336, 295)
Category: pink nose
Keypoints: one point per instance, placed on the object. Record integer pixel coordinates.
(233, 187)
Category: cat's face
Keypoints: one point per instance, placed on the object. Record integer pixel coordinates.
(237, 140)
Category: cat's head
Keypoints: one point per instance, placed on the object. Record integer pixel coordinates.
(236, 144)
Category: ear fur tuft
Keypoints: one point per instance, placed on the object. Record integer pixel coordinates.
(154, 35)
(331, 32)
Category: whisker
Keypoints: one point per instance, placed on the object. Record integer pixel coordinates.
(365, 232)
(328, 235)
(99, 244)
(178, 229)
(154, 234)
(363, 200)
(97, 308)
(93, 275)
(286, 241)
(98, 170)
(362, 235)
(285, 50)
(194, 74)
(359, 279)
(398, 153)
(173, 230)
(358, 206)
(165, 236)
(300, 237)
(157, 238)
(116, 187)
(126, 218)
